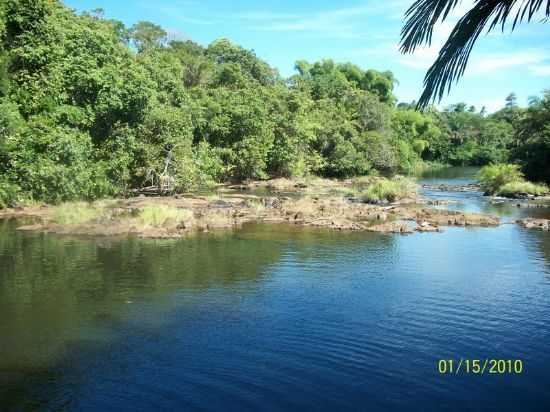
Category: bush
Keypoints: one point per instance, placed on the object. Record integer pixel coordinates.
(493, 177)
(390, 190)
(9, 194)
(514, 189)
(200, 167)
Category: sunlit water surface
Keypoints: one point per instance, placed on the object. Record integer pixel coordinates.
(276, 318)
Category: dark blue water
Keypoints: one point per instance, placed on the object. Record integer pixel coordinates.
(276, 318)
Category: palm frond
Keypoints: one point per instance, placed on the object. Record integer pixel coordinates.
(453, 57)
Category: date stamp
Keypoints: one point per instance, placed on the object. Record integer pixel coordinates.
(485, 366)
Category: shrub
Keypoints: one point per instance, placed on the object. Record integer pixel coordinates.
(493, 177)
(57, 165)
(9, 194)
(522, 188)
(390, 190)
(200, 167)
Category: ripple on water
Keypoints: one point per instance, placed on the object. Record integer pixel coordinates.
(275, 320)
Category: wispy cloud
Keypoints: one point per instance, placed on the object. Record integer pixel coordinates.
(486, 63)
(540, 70)
(493, 62)
(343, 22)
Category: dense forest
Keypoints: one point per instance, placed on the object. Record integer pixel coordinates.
(90, 108)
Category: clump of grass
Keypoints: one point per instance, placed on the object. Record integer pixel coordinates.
(513, 189)
(507, 180)
(76, 213)
(493, 177)
(364, 181)
(158, 216)
(390, 190)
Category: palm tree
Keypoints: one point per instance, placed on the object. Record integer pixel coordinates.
(451, 62)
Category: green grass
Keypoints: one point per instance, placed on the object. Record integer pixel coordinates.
(390, 190)
(513, 189)
(507, 180)
(493, 177)
(157, 216)
(421, 168)
(362, 182)
(76, 213)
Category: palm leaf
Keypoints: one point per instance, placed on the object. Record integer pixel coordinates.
(451, 62)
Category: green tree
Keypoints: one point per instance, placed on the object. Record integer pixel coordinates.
(147, 36)
(511, 101)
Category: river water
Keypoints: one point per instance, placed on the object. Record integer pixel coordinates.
(277, 318)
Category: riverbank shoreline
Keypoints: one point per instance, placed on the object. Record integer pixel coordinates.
(335, 205)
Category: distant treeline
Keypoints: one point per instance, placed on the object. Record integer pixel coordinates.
(90, 108)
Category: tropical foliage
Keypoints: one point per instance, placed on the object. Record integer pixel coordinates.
(453, 57)
(90, 108)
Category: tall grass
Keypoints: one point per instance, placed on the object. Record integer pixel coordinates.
(157, 216)
(76, 213)
(507, 180)
(390, 190)
(493, 177)
(514, 188)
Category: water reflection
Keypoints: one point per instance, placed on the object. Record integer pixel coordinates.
(272, 317)
(50, 286)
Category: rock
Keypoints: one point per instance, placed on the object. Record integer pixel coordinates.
(299, 216)
(440, 202)
(218, 203)
(390, 227)
(528, 205)
(531, 223)
(382, 216)
(436, 217)
(426, 227)
(470, 187)
(170, 223)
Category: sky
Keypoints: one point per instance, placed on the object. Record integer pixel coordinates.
(364, 32)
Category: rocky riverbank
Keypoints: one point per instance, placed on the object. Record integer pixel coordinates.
(178, 216)
(539, 224)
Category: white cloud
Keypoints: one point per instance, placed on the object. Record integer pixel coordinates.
(540, 70)
(486, 63)
(422, 58)
(490, 63)
(344, 22)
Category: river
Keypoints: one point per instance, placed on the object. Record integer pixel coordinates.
(278, 318)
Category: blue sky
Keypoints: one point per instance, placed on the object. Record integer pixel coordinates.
(365, 32)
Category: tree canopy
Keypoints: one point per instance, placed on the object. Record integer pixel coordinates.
(90, 108)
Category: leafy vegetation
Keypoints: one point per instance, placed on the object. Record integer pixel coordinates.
(451, 61)
(493, 177)
(513, 189)
(90, 108)
(508, 180)
(389, 190)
